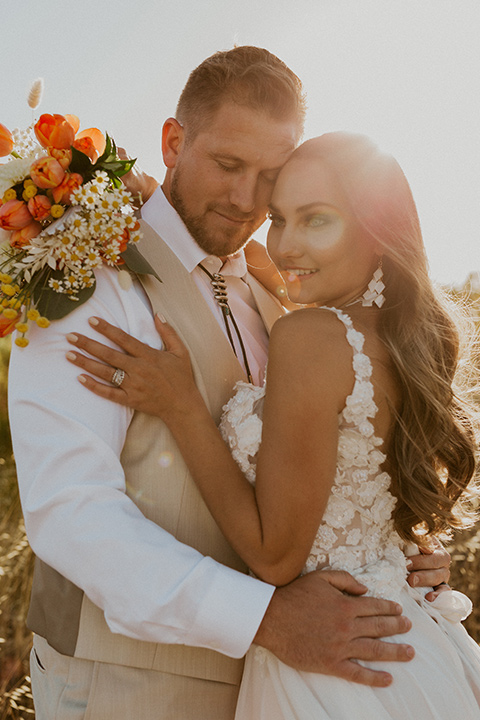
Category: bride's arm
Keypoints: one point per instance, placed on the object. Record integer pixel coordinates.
(272, 526)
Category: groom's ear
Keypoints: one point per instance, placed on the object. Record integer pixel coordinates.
(173, 136)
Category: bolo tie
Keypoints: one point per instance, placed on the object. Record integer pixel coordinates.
(219, 287)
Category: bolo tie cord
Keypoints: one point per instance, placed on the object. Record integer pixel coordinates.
(219, 287)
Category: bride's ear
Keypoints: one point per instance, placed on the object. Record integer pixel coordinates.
(173, 137)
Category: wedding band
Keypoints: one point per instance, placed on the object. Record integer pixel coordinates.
(118, 377)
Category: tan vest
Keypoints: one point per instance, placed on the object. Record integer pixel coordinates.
(158, 482)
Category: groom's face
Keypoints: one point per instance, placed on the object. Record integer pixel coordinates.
(222, 179)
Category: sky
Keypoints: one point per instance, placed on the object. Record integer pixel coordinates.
(404, 72)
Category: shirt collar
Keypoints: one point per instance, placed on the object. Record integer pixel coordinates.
(164, 219)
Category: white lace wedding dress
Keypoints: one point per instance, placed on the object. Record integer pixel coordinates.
(357, 534)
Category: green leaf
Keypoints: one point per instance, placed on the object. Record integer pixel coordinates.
(108, 149)
(81, 163)
(55, 305)
(135, 261)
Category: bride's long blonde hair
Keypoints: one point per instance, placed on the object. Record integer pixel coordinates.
(432, 446)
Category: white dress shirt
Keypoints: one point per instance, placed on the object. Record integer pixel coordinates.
(79, 520)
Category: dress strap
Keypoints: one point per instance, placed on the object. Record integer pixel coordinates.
(359, 405)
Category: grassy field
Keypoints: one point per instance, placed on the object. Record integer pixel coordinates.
(16, 563)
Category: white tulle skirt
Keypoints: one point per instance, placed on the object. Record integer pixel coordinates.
(441, 682)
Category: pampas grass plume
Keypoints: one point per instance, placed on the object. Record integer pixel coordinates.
(36, 92)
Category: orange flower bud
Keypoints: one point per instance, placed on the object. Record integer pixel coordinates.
(22, 237)
(124, 241)
(6, 141)
(96, 136)
(70, 183)
(14, 215)
(74, 122)
(64, 156)
(46, 172)
(54, 131)
(39, 207)
(7, 325)
(86, 146)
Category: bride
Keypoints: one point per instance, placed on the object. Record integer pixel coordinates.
(359, 444)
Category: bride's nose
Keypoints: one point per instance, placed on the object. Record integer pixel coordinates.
(287, 243)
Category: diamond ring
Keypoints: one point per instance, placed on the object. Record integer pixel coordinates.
(118, 377)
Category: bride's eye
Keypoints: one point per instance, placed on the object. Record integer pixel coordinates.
(315, 221)
(276, 220)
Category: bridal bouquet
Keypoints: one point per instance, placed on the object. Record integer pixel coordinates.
(63, 213)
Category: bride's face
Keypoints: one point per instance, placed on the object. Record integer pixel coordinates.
(321, 250)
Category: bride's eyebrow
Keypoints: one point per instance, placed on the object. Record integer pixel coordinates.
(302, 208)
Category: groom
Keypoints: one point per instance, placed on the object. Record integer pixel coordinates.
(139, 606)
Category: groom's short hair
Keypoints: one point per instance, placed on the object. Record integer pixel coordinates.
(248, 76)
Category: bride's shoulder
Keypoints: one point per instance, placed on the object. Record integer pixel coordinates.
(311, 340)
(315, 324)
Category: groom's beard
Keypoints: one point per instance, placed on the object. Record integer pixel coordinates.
(201, 226)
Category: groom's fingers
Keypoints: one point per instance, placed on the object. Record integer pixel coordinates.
(379, 626)
(369, 650)
(353, 672)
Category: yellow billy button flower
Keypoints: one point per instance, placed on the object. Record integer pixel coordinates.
(7, 289)
(57, 211)
(33, 314)
(21, 342)
(9, 194)
(15, 303)
(10, 313)
(21, 327)
(29, 192)
(4, 278)
(43, 322)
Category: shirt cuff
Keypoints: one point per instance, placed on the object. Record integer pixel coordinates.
(231, 611)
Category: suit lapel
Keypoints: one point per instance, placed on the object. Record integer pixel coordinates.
(178, 298)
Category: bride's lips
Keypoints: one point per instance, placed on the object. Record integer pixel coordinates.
(298, 274)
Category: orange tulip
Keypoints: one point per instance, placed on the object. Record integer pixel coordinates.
(7, 325)
(22, 237)
(54, 131)
(6, 141)
(46, 172)
(70, 183)
(95, 136)
(14, 215)
(64, 156)
(86, 146)
(74, 122)
(39, 207)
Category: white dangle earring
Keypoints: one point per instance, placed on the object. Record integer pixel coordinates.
(374, 292)
(375, 288)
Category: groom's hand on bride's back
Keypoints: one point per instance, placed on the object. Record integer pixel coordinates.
(321, 623)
